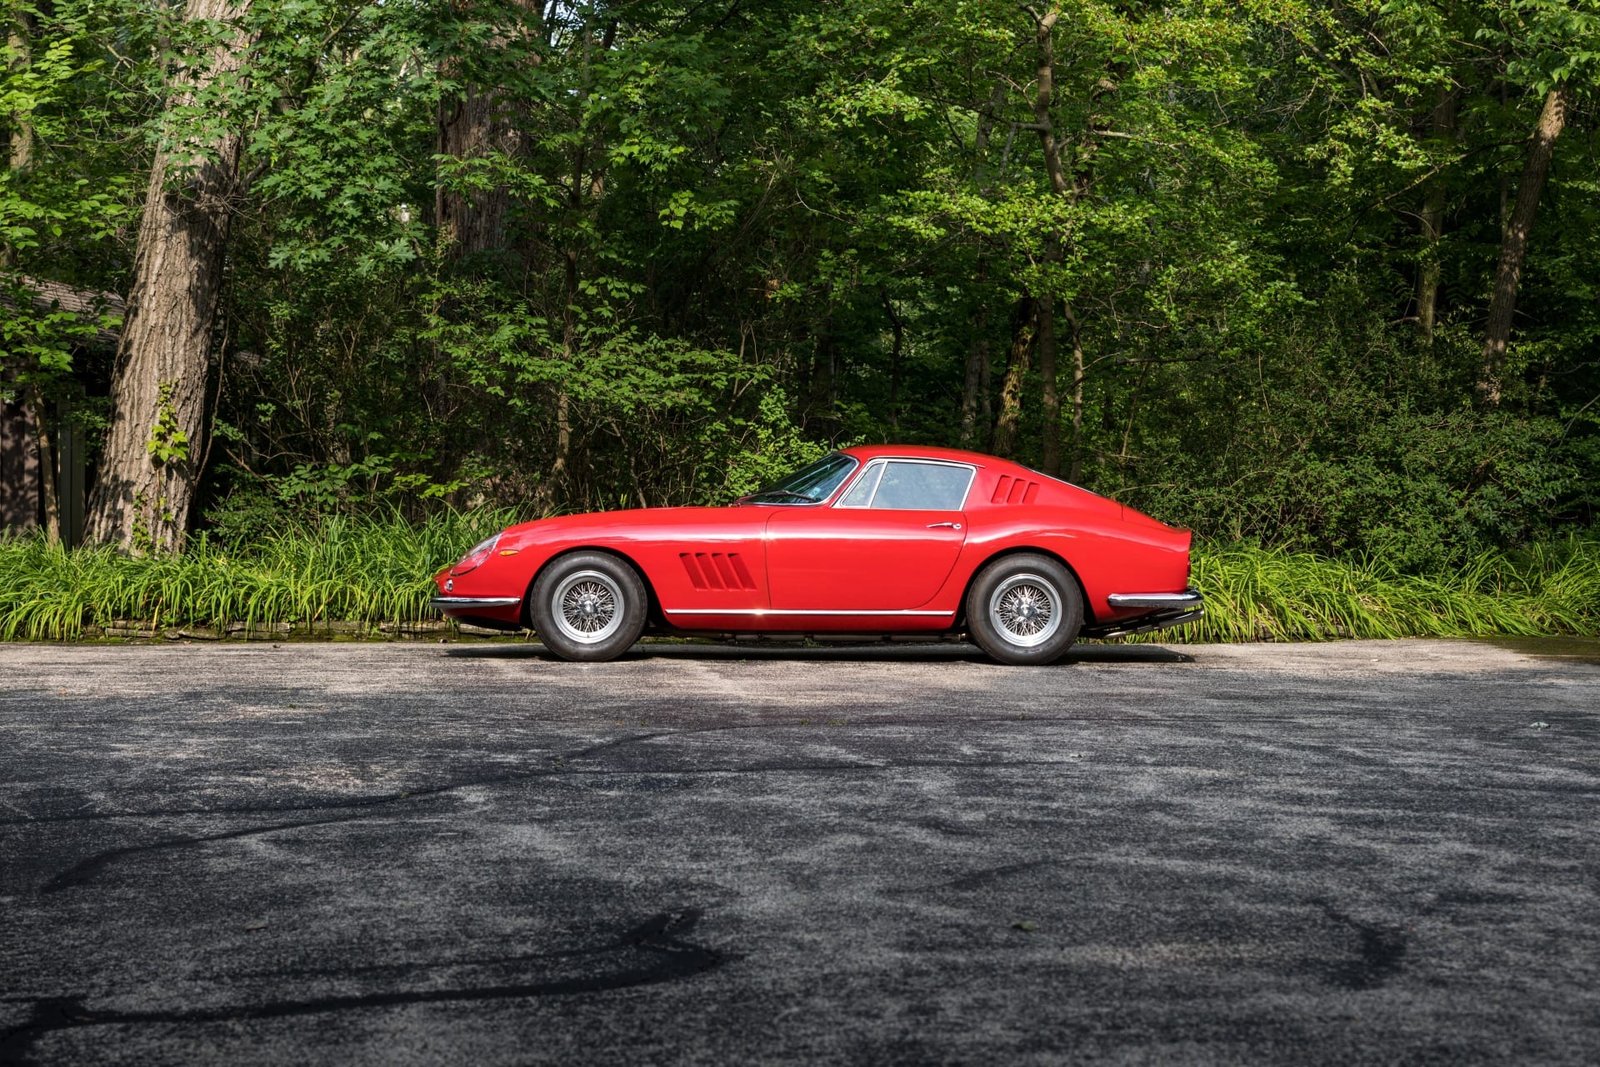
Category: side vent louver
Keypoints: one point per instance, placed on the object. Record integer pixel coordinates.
(716, 570)
(1009, 490)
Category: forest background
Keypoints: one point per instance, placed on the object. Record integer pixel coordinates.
(1318, 277)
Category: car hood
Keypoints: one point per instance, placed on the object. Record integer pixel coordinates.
(625, 517)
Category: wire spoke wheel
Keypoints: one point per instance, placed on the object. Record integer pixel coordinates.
(1025, 609)
(587, 606)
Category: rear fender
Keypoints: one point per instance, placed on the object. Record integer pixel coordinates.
(1018, 550)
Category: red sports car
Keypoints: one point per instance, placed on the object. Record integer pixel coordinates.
(886, 539)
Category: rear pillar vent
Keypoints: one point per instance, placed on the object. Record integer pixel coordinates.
(1009, 490)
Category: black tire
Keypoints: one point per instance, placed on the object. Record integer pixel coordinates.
(588, 606)
(1024, 609)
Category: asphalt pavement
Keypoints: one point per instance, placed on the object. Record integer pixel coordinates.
(423, 853)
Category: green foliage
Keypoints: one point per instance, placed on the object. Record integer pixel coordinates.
(574, 256)
(66, 192)
(379, 478)
(745, 454)
(36, 347)
(1552, 42)
(52, 92)
(1350, 457)
(167, 441)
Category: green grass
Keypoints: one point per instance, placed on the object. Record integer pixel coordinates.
(364, 572)
(1257, 594)
(375, 572)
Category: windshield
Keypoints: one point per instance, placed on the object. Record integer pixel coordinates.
(808, 485)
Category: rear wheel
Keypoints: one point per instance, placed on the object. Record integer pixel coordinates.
(588, 606)
(1024, 609)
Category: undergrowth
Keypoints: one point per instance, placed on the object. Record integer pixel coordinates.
(1255, 593)
(361, 571)
(375, 572)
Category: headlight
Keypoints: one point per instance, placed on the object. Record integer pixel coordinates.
(480, 552)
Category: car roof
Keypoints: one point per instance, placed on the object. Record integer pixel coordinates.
(953, 455)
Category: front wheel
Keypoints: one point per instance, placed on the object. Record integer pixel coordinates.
(588, 606)
(1024, 609)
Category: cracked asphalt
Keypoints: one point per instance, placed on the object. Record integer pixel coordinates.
(1361, 852)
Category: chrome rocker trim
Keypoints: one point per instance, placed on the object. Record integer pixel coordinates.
(456, 603)
(794, 611)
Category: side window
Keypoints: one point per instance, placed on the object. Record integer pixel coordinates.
(860, 494)
(910, 485)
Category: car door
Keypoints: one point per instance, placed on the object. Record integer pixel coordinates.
(887, 545)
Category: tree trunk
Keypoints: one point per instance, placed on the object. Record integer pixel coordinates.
(1075, 471)
(151, 464)
(474, 124)
(1428, 271)
(986, 389)
(975, 381)
(49, 488)
(897, 327)
(1049, 399)
(823, 361)
(976, 404)
(819, 377)
(19, 158)
(19, 152)
(548, 497)
(1044, 90)
(470, 221)
(1514, 243)
(1444, 124)
(1022, 330)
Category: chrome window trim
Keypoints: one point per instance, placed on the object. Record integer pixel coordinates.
(849, 479)
(972, 478)
(862, 475)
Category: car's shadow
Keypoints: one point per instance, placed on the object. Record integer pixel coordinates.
(865, 651)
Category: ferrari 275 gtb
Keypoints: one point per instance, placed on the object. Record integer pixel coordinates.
(881, 540)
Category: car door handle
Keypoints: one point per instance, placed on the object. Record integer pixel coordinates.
(936, 525)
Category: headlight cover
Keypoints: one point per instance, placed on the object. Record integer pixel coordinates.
(480, 552)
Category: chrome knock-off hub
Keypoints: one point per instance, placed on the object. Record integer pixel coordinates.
(587, 606)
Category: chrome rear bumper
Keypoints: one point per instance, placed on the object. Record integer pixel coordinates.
(1166, 610)
(1189, 598)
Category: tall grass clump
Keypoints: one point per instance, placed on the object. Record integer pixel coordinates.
(1255, 593)
(366, 572)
